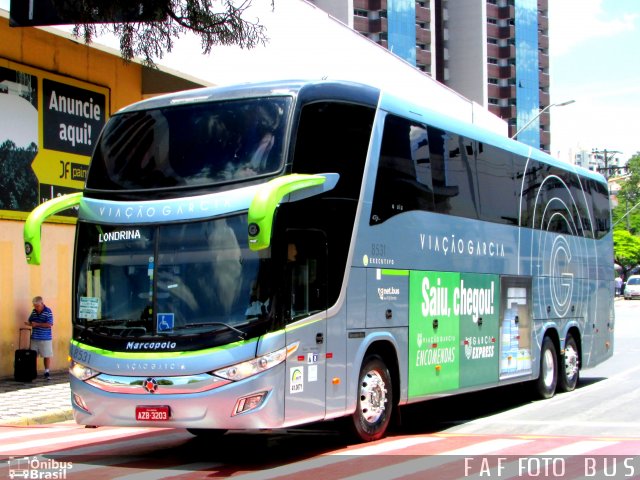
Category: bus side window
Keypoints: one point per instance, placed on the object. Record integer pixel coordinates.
(334, 137)
(305, 275)
(495, 174)
(403, 180)
(453, 168)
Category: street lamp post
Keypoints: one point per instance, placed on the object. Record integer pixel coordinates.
(532, 119)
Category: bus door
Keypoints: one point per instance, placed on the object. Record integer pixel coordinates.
(305, 306)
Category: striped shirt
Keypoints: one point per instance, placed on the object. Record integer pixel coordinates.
(46, 316)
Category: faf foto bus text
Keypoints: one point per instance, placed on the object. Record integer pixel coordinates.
(599, 466)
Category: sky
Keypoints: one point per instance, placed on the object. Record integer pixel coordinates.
(594, 60)
(594, 53)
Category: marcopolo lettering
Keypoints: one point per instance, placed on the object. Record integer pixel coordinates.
(150, 345)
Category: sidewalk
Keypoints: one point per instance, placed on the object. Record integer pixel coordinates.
(37, 402)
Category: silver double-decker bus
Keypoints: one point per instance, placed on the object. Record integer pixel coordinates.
(269, 255)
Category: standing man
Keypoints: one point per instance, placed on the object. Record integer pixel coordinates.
(41, 321)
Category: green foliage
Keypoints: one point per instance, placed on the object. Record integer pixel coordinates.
(629, 199)
(626, 249)
(216, 22)
(18, 183)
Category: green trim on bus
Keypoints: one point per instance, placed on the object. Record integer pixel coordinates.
(33, 225)
(266, 200)
(394, 273)
(155, 354)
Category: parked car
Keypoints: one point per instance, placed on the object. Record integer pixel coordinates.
(632, 288)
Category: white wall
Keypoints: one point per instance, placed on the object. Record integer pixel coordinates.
(306, 42)
(340, 9)
(467, 63)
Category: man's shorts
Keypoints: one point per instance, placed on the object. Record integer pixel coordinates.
(43, 347)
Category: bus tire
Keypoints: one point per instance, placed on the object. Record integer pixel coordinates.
(545, 385)
(206, 432)
(569, 371)
(375, 400)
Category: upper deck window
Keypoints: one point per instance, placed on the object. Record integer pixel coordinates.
(190, 145)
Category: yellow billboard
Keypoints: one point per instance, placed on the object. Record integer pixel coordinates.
(49, 125)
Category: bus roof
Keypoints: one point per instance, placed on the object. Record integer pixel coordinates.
(422, 113)
(315, 88)
(360, 93)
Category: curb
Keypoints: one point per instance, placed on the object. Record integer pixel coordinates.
(52, 417)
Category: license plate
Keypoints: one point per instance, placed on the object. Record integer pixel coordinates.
(152, 413)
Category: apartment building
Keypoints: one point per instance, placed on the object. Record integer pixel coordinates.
(494, 52)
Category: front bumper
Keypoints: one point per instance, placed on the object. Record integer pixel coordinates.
(208, 409)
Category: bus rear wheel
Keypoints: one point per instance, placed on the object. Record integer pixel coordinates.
(375, 401)
(569, 366)
(545, 386)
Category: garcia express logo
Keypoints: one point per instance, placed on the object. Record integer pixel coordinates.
(479, 347)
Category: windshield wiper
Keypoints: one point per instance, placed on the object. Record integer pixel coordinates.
(240, 333)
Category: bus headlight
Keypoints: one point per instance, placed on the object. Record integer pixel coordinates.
(81, 372)
(243, 370)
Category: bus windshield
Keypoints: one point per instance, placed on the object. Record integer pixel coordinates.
(170, 281)
(190, 145)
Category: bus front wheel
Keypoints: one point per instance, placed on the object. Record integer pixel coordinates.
(375, 400)
(569, 366)
(546, 384)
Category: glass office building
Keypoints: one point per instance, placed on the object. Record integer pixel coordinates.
(527, 76)
(401, 15)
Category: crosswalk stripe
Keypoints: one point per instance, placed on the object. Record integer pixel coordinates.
(578, 448)
(124, 447)
(386, 446)
(55, 443)
(17, 432)
(488, 446)
(337, 457)
(440, 459)
(405, 468)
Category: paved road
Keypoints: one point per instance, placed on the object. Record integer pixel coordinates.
(146, 453)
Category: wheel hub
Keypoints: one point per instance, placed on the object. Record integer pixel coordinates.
(373, 396)
(570, 362)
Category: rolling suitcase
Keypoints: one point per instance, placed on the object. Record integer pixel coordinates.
(25, 367)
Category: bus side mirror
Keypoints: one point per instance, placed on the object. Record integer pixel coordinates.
(265, 201)
(33, 225)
